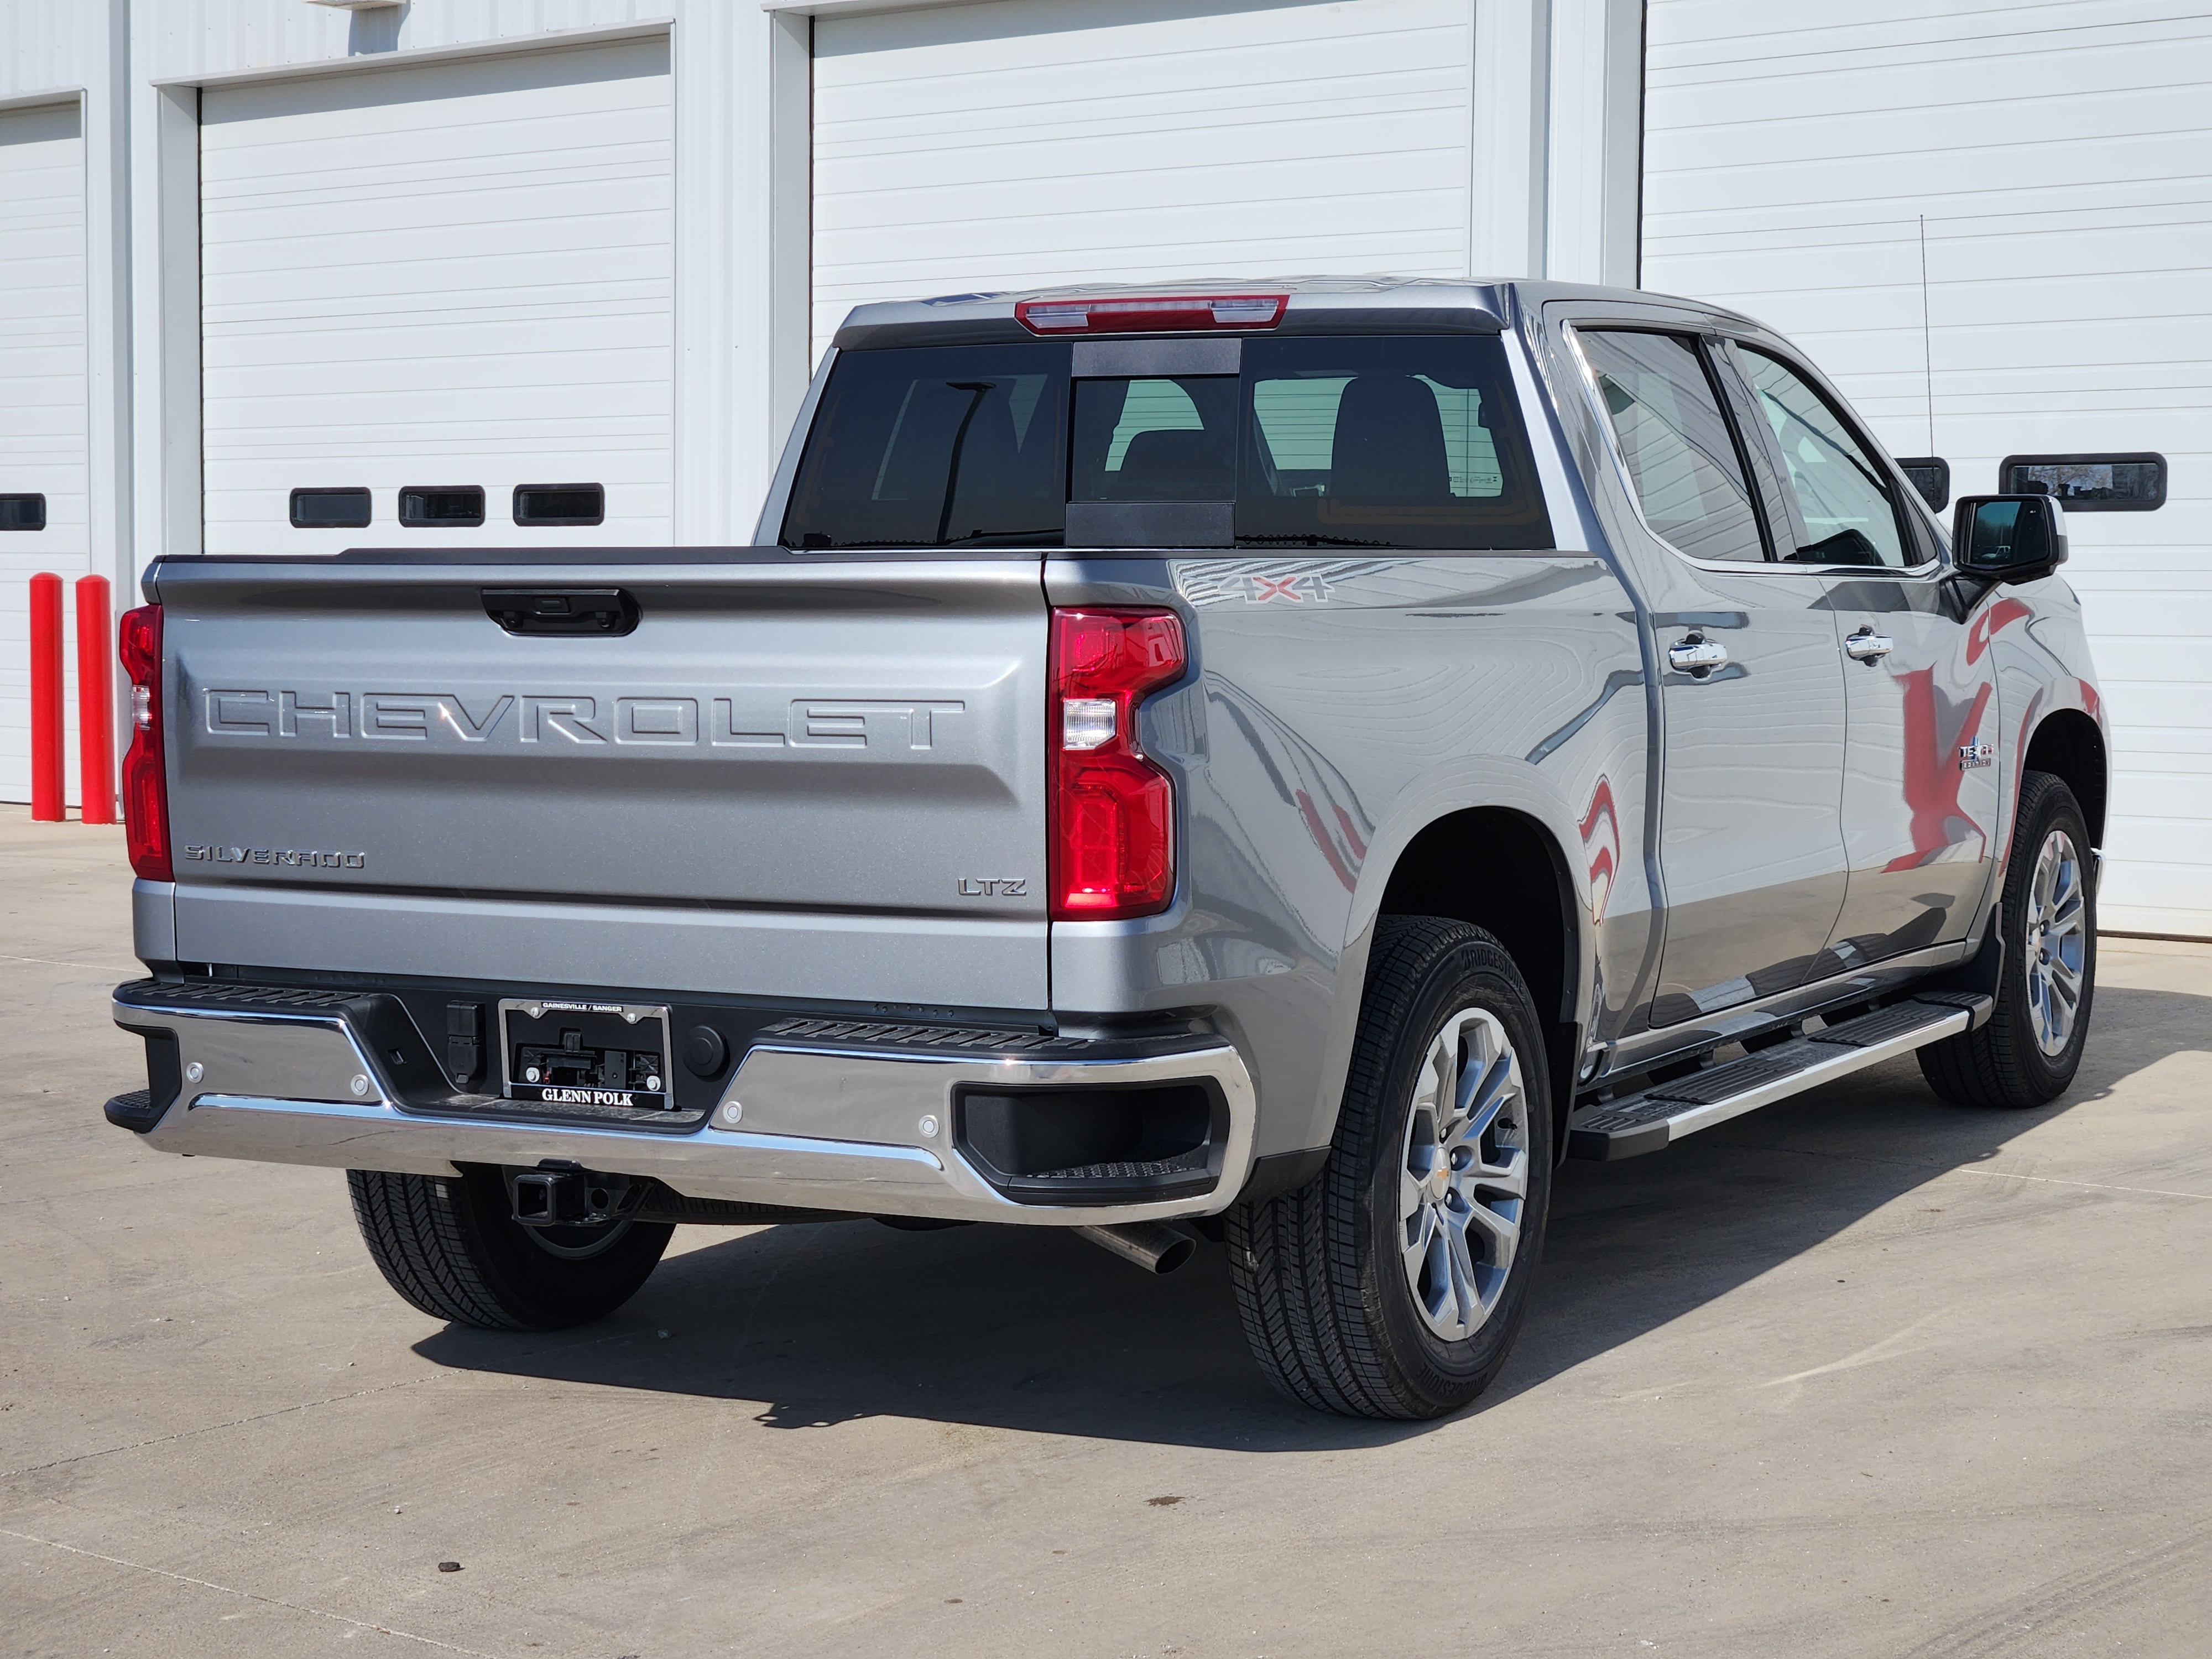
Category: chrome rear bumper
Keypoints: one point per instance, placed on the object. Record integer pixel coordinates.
(823, 1128)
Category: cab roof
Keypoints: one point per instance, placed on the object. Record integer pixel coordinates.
(1314, 305)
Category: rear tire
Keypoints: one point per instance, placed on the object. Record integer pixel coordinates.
(1393, 1283)
(2027, 1052)
(452, 1248)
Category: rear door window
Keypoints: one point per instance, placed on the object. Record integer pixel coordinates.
(1680, 454)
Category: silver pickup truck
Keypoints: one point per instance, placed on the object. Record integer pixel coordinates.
(1278, 764)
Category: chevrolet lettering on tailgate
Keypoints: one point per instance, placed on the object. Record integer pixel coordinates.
(729, 722)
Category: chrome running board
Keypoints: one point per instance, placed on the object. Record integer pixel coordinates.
(1664, 1113)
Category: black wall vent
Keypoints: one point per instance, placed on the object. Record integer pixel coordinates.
(2133, 482)
(441, 506)
(1930, 475)
(330, 509)
(568, 503)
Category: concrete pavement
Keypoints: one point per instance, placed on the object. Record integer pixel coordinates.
(1862, 1374)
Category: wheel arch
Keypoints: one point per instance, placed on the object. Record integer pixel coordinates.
(1463, 813)
(2067, 744)
(1505, 872)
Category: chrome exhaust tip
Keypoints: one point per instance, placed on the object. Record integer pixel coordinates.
(1155, 1246)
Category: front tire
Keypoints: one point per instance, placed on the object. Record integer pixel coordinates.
(452, 1248)
(1392, 1284)
(2026, 1053)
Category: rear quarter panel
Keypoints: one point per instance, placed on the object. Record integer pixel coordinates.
(1335, 708)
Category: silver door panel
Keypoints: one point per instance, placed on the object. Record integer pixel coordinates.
(1750, 844)
(1920, 802)
(1748, 838)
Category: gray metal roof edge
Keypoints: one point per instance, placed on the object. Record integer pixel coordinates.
(1316, 305)
(1423, 303)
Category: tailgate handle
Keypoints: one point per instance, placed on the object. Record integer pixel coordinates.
(561, 610)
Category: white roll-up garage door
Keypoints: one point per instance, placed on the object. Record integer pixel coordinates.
(453, 275)
(43, 403)
(1809, 168)
(1038, 142)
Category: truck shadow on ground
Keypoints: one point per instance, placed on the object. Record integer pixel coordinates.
(1034, 1329)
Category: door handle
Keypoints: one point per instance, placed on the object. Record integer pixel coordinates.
(563, 612)
(1867, 646)
(1697, 656)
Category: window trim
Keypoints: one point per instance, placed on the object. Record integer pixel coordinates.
(1768, 483)
(1784, 518)
(2093, 457)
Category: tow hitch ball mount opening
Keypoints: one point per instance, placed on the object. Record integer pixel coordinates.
(562, 1193)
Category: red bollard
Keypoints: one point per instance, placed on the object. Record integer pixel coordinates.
(95, 702)
(47, 698)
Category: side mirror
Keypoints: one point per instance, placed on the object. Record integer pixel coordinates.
(2008, 538)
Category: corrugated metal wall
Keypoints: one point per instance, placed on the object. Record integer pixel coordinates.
(57, 369)
(1028, 142)
(44, 402)
(2056, 158)
(1042, 142)
(455, 274)
(185, 38)
(44, 45)
(731, 395)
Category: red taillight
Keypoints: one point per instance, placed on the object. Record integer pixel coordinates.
(1175, 314)
(145, 777)
(1112, 811)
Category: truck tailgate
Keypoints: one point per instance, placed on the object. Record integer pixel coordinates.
(789, 779)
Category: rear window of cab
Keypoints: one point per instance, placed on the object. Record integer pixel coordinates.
(1357, 443)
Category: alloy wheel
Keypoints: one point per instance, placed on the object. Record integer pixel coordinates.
(1463, 1176)
(2057, 942)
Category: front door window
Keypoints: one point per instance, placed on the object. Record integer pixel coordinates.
(1844, 497)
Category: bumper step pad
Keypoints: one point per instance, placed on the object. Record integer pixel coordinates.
(135, 1111)
(1665, 1112)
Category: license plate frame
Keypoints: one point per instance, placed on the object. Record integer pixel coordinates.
(603, 1028)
